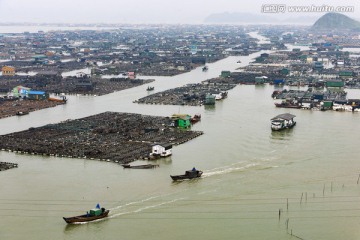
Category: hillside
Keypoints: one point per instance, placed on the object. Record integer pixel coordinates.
(335, 21)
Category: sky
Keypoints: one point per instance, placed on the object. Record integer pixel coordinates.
(144, 11)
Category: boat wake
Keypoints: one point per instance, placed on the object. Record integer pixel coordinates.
(145, 208)
(227, 169)
(134, 203)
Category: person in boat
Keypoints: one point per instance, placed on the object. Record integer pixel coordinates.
(102, 210)
(194, 169)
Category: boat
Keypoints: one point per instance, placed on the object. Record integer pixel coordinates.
(145, 166)
(92, 215)
(238, 61)
(283, 121)
(62, 99)
(20, 113)
(149, 88)
(195, 118)
(205, 68)
(188, 175)
(288, 104)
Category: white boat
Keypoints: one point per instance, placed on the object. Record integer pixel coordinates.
(283, 121)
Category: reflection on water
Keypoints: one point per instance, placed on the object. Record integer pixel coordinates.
(70, 227)
(259, 86)
(210, 108)
(284, 134)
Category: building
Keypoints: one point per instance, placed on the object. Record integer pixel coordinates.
(209, 99)
(181, 120)
(346, 74)
(37, 95)
(259, 80)
(225, 74)
(40, 58)
(131, 75)
(279, 81)
(84, 86)
(24, 92)
(8, 71)
(20, 91)
(334, 83)
(162, 150)
(81, 75)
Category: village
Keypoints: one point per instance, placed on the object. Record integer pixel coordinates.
(40, 69)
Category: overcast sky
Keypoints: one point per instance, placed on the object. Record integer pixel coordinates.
(141, 11)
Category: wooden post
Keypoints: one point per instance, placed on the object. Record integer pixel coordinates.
(358, 179)
(279, 213)
(287, 225)
(301, 197)
(287, 204)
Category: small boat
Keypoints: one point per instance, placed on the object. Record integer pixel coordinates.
(288, 104)
(149, 88)
(145, 166)
(21, 113)
(205, 68)
(195, 118)
(62, 99)
(282, 121)
(188, 175)
(92, 215)
(238, 61)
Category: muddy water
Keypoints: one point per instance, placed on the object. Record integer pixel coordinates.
(309, 173)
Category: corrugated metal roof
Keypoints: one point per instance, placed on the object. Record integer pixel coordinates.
(285, 116)
(37, 92)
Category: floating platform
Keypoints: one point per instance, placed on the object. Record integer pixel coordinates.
(6, 166)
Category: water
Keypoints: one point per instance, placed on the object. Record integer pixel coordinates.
(250, 173)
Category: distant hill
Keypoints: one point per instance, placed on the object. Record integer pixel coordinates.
(250, 18)
(335, 21)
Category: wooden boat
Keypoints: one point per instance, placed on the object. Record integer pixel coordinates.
(205, 68)
(94, 214)
(21, 113)
(188, 175)
(145, 166)
(282, 121)
(288, 105)
(195, 118)
(62, 99)
(150, 88)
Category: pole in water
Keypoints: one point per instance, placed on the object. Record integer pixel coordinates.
(324, 190)
(287, 224)
(301, 197)
(287, 204)
(331, 186)
(358, 179)
(279, 213)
